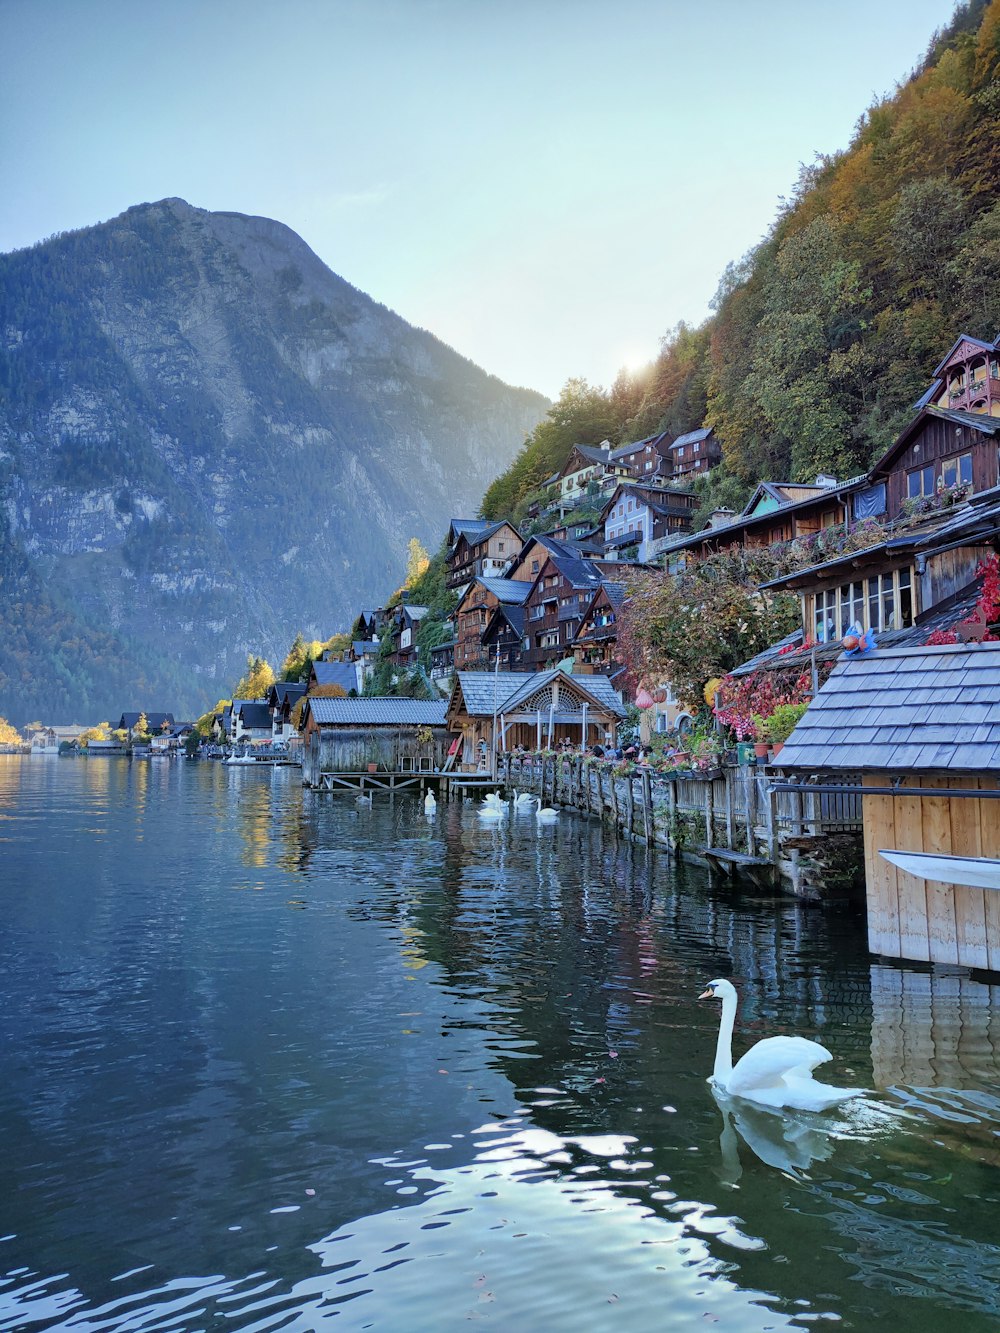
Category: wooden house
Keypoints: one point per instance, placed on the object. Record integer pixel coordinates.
(251, 722)
(968, 378)
(487, 553)
(696, 452)
(648, 460)
(531, 710)
(394, 735)
(154, 722)
(562, 591)
(503, 638)
(587, 471)
(922, 727)
(940, 456)
(476, 606)
(596, 638)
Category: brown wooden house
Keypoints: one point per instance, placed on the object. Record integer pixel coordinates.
(941, 454)
(596, 637)
(488, 552)
(968, 378)
(648, 460)
(476, 606)
(696, 452)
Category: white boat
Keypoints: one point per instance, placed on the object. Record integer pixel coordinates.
(973, 872)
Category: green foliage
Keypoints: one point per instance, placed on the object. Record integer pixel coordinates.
(783, 721)
(825, 334)
(704, 621)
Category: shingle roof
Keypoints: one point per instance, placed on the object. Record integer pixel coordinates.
(692, 436)
(414, 612)
(343, 674)
(254, 716)
(905, 710)
(283, 689)
(506, 590)
(478, 688)
(513, 615)
(599, 688)
(378, 712)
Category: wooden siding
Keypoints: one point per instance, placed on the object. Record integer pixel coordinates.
(936, 439)
(948, 573)
(925, 920)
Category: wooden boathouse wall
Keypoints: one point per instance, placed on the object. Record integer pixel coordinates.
(923, 919)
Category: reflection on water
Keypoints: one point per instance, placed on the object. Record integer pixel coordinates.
(273, 1060)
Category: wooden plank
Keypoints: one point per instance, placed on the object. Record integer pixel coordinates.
(970, 904)
(942, 929)
(647, 806)
(881, 889)
(989, 842)
(630, 806)
(912, 892)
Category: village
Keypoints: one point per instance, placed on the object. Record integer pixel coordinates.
(872, 726)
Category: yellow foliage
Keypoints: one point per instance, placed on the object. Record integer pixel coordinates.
(328, 692)
(9, 735)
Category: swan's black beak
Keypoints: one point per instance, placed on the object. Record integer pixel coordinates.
(707, 995)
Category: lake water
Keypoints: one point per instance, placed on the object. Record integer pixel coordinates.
(269, 1062)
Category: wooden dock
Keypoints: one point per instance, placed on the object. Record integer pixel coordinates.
(446, 783)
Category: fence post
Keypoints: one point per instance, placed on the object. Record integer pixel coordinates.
(728, 776)
(672, 815)
(647, 806)
(630, 805)
(772, 819)
(709, 814)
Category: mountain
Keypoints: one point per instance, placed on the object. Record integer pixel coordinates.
(826, 333)
(209, 441)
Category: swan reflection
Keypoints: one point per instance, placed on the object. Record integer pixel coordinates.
(790, 1141)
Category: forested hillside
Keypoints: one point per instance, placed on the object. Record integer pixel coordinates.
(824, 335)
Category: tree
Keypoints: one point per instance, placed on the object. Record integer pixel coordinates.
(698, 625)
(257, 680)
(142, 726)
(9, 735)
(416, 562)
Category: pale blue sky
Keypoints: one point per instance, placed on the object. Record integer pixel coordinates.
(547, 185)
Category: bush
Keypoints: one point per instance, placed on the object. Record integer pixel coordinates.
(783, 721)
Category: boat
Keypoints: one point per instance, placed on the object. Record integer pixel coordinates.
(973, 872)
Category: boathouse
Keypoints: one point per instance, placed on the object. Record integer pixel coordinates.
(372, 734)
(533, 709)
(922, 728)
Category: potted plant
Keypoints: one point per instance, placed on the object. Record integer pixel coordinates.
(782, 723)
(760, 746)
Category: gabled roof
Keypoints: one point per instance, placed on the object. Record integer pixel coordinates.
(377, 711)
(692, 437)
(362, 646)
(513, 689)
(254, 716)
(783, 492)
(413, 612)
(466, 527)
(504, 615)
(343, 674)
(506, 590)
(905, 710)
(964, 338)
(975, 420)
(285, 689)
(634, 448)
(577, 573)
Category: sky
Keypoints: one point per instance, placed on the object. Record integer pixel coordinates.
(549, 186)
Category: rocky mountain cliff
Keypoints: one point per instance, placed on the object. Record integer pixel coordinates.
(208, 441)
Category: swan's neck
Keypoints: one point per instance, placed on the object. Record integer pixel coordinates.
(724, 1046)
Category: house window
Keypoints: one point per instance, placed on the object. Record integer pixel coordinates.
(534, 566)
(499, 546)
(697, 446)
(920, 482)
(957, 470)
(881, 602)
(680, 453)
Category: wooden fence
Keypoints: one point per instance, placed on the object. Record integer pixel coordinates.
(733, 818)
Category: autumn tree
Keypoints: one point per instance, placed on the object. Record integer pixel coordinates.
(9, 735)
(699, 624)
(257, 679)
(416, 562)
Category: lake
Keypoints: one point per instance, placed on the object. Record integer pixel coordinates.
(270, 1061)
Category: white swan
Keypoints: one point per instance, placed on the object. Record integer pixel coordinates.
(362, 799)
(430, 804)
(546, 815)
(492, 799)
(487, 811)
(523, 800)
(777, 1071)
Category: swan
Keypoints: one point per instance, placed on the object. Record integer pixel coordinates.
(362, 799)
(523, 799)
(492, 799)
(546, 815)
(430, 804)
(492, 811)
(777, 1071)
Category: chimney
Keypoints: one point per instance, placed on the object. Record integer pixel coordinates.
(719, 518)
